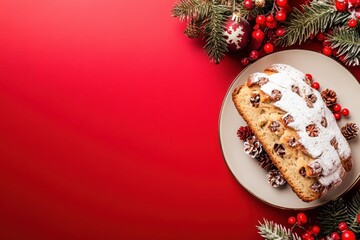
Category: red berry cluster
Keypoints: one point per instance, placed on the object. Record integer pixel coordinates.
(312, 232)
(267, 26)
(344, 233)
(341, 6)
(336, 109)
(300, 221)
(348, 5)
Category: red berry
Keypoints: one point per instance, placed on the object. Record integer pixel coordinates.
(291, 220)
(335, 52)
(315, 85)
(280, 32)
(320, 37)
(335, 236)
(280, 16)
(342, 59)
(270, 18)
(337, 108)
(245, 61)
(281, 3)
(310, 238)
(260, 20)
(354, 2)
(327, 51)
(348, 235)
(352, 23)
(272, 24)
(254, 55)
(326, 43)
(301, 218)
(341, 6)
(248, 4)
(342, 226)
(345, 112)
(305, 235)
(269, 48)
(315, 230)
(258, 35)
(337, 116)
(309, 76)
(358, 218)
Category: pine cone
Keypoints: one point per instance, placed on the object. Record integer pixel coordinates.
(275, 178)
(244, 133)
(265, 162)
(252, 147)
(260, 3)
(329, 97)
(350, 131)
(192, 30)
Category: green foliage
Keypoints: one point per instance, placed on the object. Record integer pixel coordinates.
(314, 18)
(216, 45)
(353, 211)
(192, 9)
(212, 16)
(273, 231)
(347, 43)
(331, 214)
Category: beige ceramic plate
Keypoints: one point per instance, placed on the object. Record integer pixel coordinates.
(330, 74)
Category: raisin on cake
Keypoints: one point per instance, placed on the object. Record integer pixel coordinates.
(296, 129)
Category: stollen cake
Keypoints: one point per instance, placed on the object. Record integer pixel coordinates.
(295, 128)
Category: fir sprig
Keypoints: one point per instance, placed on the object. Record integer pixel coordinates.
(331, 214)
(353, 211)
(191, 9)
(314, 18)
(214, 27)
(270, 230)
(347, 43)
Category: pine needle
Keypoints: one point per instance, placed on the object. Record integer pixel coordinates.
(353, 211)
(314, 18)
(331, 215)
(347, 43)
(273, 231)
(192, 9)
(214, 27)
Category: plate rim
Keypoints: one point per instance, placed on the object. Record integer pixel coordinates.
(222, 148)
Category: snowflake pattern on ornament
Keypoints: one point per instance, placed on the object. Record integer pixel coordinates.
(234, 36)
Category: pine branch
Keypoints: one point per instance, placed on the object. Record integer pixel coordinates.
(353, 210)
(273, 231)
(314, 18)
(192, 9)
(216, 46)
(331, 215)
(347, 41)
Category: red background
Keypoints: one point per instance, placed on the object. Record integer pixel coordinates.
(109, 126)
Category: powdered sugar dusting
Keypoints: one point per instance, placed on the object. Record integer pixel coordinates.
(294, 104)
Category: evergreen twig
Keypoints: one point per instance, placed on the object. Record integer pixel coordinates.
(353, 211)
(314, 18)
(347, 43)
(274, 231)
(214, 27)
(331, 214)
(192, 9)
